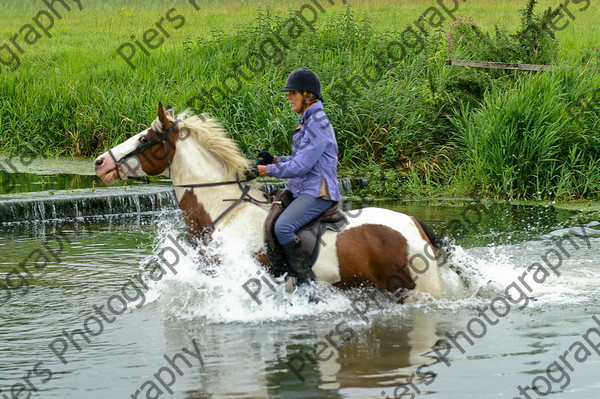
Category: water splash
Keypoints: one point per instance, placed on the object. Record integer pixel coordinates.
(210, 287)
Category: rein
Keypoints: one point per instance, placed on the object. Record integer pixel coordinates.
(245, 197)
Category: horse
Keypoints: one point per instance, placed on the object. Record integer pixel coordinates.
(391, 251)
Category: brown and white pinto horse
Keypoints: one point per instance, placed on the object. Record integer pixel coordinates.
(378, 247)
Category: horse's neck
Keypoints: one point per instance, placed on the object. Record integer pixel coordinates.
(244, 220)
(215, 201)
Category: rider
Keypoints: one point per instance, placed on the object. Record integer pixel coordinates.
(311, 169)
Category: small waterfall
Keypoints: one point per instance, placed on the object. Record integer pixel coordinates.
(84, 203)
(137, 204)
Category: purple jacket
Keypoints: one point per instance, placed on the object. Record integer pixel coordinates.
(312, 166)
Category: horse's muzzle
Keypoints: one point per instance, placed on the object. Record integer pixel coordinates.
(99, 162)
(106, 168)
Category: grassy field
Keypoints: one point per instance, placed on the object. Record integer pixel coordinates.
(72, 94)
(84, 39)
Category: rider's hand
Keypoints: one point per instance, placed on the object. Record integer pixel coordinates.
(265, 158)
(262, 169)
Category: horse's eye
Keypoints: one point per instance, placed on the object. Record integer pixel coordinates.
(143, 139)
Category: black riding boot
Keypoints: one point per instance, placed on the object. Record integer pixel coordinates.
(299, 262)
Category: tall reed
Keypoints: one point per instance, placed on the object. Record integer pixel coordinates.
(525, 142)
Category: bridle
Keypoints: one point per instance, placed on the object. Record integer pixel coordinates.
(162, 138)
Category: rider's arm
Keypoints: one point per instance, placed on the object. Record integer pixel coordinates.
(312, 144)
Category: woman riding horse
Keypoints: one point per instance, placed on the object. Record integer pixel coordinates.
(311, 169)
(377, 247)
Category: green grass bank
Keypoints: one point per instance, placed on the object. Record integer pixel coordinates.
(413, 125)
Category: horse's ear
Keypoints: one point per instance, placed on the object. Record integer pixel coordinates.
(161, 113)
(164, 113)
(162, 116)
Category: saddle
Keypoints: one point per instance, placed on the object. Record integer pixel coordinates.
(309, 235)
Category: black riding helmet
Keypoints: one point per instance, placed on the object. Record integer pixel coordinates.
(304, 79)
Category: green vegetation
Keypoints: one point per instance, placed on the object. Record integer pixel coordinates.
(524, 143)
(418, 128)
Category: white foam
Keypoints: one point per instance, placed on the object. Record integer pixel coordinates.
(210, 288)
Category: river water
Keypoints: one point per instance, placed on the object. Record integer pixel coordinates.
(194, 331)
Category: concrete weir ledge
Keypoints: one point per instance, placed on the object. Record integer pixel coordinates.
(84, 203)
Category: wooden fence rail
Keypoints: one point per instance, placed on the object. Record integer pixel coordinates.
(500, 65)
(506, 65)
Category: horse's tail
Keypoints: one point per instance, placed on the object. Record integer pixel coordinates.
(444, 252)
(439, 243)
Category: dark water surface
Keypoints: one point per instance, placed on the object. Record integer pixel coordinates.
(11, 183)
(248, 350)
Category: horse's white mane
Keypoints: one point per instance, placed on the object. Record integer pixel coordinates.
(210, 135)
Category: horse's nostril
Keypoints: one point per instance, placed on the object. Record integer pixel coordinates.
(99, 162)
